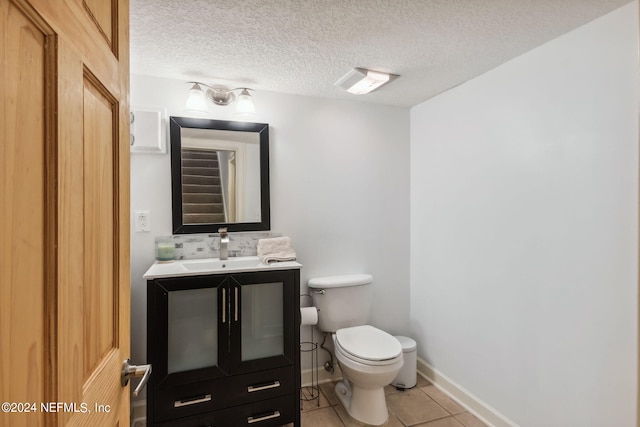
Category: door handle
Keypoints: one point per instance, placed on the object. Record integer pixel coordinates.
(224, 305)
(236, 303)
(132, 371)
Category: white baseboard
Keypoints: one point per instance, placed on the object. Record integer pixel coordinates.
(477, 407)
(323, 375)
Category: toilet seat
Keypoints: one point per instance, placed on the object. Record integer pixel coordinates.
(368, 345)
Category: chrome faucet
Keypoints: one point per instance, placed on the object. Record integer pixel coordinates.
(224, 243)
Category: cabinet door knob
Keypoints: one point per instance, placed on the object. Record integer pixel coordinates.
(131, 371)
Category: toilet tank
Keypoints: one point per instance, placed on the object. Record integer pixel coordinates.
(342, 301)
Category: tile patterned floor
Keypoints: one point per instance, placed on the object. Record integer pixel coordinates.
(423, 405)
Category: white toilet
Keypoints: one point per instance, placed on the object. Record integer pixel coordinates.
(369, 357)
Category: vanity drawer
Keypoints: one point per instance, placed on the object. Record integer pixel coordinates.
(196, 398)
(266, 413)
(263, 385)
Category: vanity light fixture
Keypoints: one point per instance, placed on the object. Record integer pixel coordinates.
(360, 81)
(220, 95)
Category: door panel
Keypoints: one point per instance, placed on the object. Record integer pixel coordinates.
(102, 12)
(99, 286)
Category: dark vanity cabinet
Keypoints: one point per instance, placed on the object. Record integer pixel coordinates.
(224, 349)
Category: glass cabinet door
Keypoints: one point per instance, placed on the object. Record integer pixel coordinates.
(263, 323)
(192, 322)
(190, 334)
(262, 327)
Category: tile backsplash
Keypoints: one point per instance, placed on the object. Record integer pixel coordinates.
(194, 246)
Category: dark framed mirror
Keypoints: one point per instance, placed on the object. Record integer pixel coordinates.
(219, 175)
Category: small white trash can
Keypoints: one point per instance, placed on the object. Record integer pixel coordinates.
(407, 378)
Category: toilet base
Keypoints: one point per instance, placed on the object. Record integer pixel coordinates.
(367, 406)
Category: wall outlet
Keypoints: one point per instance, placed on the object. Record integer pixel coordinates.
(142, 221)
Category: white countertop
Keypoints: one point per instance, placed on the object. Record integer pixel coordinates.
(199, 267)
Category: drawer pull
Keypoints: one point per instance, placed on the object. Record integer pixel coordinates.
(251, 420)
(193, 401)
(253, 388)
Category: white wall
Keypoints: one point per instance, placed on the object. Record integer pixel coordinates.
(339, 189)
(524, 195)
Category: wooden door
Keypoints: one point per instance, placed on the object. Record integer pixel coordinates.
(64, 212)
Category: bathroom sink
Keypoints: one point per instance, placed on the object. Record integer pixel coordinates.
(211, 265)
(195, 267)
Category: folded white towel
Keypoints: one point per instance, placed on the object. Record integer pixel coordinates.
(276, 249)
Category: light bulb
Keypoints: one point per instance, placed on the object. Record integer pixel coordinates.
(244, 106)
(196, 101)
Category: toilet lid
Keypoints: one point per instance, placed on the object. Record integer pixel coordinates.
(367, 342)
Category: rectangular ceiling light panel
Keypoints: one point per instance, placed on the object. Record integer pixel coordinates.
(360, 81)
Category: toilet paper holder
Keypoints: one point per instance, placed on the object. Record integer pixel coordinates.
(311, 392)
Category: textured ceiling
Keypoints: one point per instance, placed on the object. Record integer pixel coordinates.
(303, 47)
